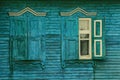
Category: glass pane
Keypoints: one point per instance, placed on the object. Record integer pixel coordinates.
(84, 25)
(82, 36)
(84, 47)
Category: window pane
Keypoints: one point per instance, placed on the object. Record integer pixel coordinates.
(84, 24)
(84, 36)
(84, 47)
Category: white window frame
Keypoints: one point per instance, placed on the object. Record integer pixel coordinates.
(90, 39)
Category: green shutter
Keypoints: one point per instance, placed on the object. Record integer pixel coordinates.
(98, 38)
(71, 39)
(34, 39)
(27, 40)
(19, 39)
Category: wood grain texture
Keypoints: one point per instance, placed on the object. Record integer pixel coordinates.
(107, 69)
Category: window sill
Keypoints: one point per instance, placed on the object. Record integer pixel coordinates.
(28, 63)
(27, 60)
(77, 63)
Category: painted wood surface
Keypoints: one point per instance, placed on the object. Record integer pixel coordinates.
(98, 38)
(71, 39)
(107, 69)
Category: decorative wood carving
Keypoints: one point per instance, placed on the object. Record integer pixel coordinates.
(78, 10)
(27, 9)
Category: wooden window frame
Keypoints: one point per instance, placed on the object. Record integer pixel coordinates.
(90, 39)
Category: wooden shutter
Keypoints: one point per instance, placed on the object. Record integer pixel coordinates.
(98, 39)
(19, 39)
(27, 38)
(71, 39)
(34, 39)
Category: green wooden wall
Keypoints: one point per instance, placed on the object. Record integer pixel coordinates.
(107, 69)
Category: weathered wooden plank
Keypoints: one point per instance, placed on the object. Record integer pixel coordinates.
(109, 69)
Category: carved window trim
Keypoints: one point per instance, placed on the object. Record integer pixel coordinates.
(27, 9)
(78, 9)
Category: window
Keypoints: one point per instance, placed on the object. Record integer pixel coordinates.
(26, 36)
(91, 39)
(27, 40)
(85, 38)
